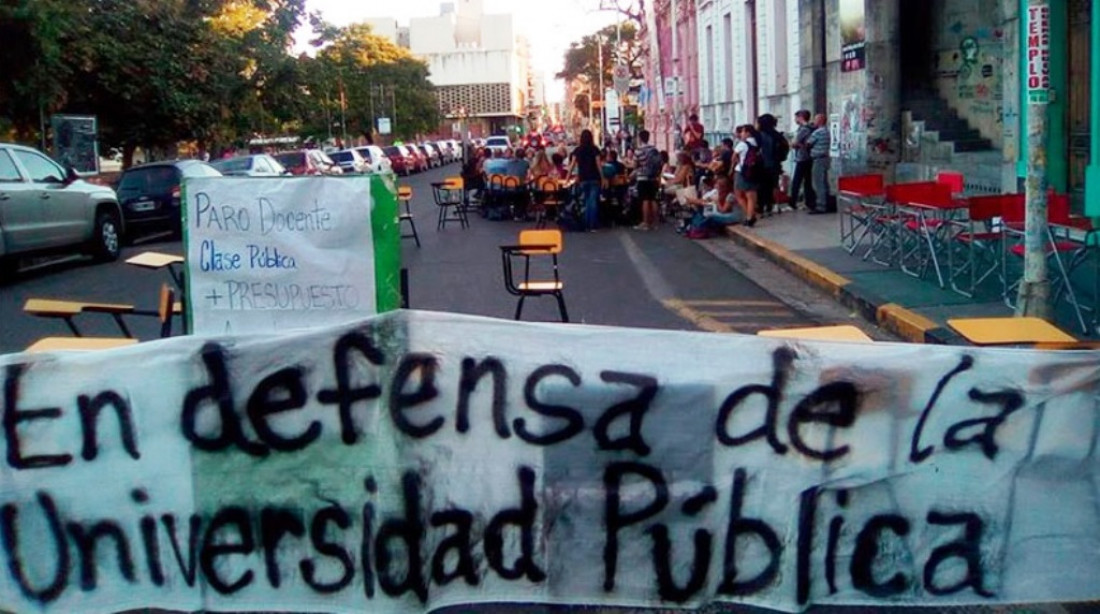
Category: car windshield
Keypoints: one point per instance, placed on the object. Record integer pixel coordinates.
(392, 151)
(151, 180)
(342, 156)
(233, 165)
(291, 159)
(497, 142)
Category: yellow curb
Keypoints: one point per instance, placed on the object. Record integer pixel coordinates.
(806, 269)
(699, 320)
(907, 324)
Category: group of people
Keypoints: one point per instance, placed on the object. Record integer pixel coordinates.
(736, 182)
(740, 179)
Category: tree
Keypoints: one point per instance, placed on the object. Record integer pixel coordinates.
(582, 59)
(373, 78)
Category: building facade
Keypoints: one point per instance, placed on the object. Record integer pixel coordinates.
(669, 40)
(478, 64)
(909, 88)
(750, 63)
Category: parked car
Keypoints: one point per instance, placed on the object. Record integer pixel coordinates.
(150, 194)
(46, 207)
(377, 159)
(398, 161)
(445, 152)
(308, 162)
(435, 159)
(255, 165)
(419, 160)
(498, 144)
(351, 161)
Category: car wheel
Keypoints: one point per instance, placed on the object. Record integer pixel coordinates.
(107, 240)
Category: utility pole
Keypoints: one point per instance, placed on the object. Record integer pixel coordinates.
(603, 111)
(1034, 294)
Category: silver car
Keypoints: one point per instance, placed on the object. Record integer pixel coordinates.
(44, 207)
(256, 165)
(351, 161)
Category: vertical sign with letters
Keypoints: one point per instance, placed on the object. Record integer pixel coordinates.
(1038, 54)
(267, 255)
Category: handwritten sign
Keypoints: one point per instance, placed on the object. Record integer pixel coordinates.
(1038, 54)
(269, 255)
(415, 460)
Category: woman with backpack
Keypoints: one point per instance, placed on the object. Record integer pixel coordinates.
(748, 166)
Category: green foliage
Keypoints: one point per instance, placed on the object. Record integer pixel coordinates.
(582, 59)
(157, 72)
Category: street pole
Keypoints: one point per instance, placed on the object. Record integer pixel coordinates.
(603, 111)
(1034, 293)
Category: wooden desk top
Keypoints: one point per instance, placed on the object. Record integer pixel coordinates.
(154, 260)
(78, 344)
(1009, 330)
(52, 307)
(844, 332)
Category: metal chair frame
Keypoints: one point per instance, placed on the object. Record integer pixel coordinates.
(533, 244)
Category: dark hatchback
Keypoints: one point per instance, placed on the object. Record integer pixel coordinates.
(150, 194)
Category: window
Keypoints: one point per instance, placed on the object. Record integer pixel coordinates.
(727, 53)
(260, 165)
(712, 89)
(8, 172)
(40, 168)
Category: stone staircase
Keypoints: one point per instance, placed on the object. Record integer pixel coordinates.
(938, 117)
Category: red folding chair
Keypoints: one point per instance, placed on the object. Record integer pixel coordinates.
(975, 250)
(1059, 249)
(861, 199)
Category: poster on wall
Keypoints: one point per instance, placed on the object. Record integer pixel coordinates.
(853, 36)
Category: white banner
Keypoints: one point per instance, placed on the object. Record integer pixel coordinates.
(417, 460)
(268, 254)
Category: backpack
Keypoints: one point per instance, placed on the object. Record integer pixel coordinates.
(752, 167)
(775, 150)
(652, 165)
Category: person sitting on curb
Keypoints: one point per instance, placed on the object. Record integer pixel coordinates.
(710, 216)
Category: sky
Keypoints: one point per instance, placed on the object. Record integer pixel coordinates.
(549, 25)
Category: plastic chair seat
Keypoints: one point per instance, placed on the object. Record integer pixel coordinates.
(967, 237)
(1060, 246)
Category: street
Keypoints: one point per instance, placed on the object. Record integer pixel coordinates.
(616, 277)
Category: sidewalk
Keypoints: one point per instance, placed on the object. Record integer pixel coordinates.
(914, 309)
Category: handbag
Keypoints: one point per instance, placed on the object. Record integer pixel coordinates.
(683, 194)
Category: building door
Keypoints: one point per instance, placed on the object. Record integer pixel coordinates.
(1080, 19)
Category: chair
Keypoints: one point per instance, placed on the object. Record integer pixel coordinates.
(952, 179)
(546, 201)
(449, 201)
(405, 194)
(1009, 331)
(975, 251)
(1059, 249)
(841, 332)
(167, 306)
(533, 246)
(862, 200)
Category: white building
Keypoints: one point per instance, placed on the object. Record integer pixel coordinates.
(749, 63)
(478, 63)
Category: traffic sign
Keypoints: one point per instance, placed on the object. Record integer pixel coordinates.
(384, 126)
(620, 78)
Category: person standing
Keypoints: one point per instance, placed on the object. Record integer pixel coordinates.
(819, 143)
(647, 174)
(774, 149)
(693, 134)
(586, 166)
(803, 163)
(747, 171)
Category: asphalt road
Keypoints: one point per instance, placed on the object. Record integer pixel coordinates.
(616, 277)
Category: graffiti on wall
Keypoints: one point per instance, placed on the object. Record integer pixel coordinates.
(853, 128)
